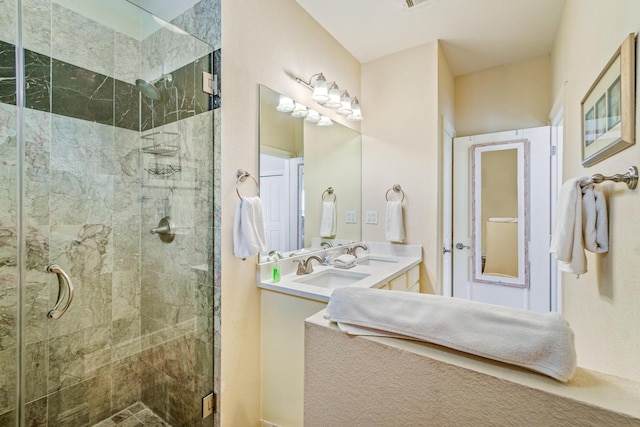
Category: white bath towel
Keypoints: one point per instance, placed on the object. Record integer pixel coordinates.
(394, 226)
(567, 242)
(345, 261)
(595, 224)
(542, 342)
(248, 228)
(328, 222)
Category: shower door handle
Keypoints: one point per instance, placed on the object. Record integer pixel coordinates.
(63, 282)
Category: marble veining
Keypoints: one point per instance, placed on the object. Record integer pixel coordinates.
(7, 73)
(8, 19)
(36, 26)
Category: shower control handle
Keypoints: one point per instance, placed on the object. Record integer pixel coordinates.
(165, 230)
(63, 282)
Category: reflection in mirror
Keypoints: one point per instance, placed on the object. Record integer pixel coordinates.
(299, 160)
(500, 223)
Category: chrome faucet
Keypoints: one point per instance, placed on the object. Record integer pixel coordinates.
(352, 250)
(305, 266)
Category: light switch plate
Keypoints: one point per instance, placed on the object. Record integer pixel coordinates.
(351, 217)
(372, 217)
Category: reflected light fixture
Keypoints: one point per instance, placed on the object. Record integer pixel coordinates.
(312, 116)
(299, 110)
(345, 104)
(356, 114)
(325, 121)
(285, 104)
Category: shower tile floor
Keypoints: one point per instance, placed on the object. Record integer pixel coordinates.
(133, 416)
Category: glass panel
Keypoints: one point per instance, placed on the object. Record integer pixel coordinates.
(9, 172)
(116, 135)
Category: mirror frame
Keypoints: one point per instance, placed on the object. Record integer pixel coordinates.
(522, 147)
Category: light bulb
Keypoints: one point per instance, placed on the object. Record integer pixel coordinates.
(345, 102)
(299, 110)
(320, 92)
(356, 115)
(325, 121)
(312, 116)
(334, 97)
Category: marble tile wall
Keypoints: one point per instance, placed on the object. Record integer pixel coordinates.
(142, 324)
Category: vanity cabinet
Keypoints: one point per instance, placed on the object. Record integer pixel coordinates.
(282, 356)
(408, 282)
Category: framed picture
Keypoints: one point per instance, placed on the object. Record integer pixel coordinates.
(608, 108)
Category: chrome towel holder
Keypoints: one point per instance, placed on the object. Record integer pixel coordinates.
(242, 176)
(329, 191)
(631, 178)
(396, 189)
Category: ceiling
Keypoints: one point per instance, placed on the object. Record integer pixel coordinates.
(475, 34)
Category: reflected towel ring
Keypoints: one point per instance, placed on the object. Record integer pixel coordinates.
(330, 192)
(242, 176)
(396, 188)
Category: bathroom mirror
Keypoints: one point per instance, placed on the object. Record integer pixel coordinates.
(499, 213)
(299, 162)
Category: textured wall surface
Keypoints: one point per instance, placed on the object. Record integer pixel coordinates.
(353, 381)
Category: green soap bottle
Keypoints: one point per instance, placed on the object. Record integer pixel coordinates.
(276, 270)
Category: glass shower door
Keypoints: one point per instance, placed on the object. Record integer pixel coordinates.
(91, 161)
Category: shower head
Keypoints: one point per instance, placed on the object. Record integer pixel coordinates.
(149, 89)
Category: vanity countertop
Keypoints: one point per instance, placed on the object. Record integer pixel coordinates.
(386, 261)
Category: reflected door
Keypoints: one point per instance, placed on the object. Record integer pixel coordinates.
(493, 287)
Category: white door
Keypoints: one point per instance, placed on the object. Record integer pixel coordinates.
(274, 194)
(448, 133)
(536, 296)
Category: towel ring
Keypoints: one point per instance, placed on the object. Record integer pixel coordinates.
(397, 189)
(330, 192)
(242, 176)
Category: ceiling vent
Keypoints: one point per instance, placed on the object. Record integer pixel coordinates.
(410, 4)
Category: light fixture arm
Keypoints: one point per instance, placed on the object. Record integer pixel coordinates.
(308, 84)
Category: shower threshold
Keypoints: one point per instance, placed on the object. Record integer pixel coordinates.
(135, 415)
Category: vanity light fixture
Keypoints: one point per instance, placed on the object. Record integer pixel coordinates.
(331, 97)
(334, 97)
(319, 88)
(299, 110)
(356, 114)
(285, 104)
(324, 121)
(312, 116)
(345, 102)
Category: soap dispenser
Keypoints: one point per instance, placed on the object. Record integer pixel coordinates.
(276, 266)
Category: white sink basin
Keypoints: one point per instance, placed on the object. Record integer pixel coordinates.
(375, 261)
(332, 279)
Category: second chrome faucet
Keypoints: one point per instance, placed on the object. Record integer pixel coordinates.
(305, 266)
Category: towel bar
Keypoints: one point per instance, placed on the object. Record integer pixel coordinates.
(631, 178)
(242, 176)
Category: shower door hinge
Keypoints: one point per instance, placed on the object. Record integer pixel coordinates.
(209, 83)
(208, 405)
(554, 150)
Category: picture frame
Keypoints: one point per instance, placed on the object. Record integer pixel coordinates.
(608, 108)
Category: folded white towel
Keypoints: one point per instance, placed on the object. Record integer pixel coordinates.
(345, 259)
(567, 241)
(503, 220)
(595, 223)
(394, 227)
(542, 342)
(328, 222)
(248, 228)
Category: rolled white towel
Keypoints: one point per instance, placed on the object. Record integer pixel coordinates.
(345, 259)
(595, 222)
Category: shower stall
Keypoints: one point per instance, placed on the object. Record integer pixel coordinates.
(107, 207)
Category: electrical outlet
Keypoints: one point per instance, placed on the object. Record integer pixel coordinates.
(208, 405)
(372, 217)
(351, 217)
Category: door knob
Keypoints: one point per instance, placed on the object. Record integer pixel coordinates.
(461, 246)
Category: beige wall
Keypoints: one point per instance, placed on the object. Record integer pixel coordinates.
(400, 146)
(602, 305)
(511, 97)
(262, 42)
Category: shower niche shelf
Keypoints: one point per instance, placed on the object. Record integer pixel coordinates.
(163, 170)
(160, 148)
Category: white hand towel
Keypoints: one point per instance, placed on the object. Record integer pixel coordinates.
(345, 259)
(594, 220)
(542, 342)
(328, 221)
(248, 228)
(394, 227)
(567, 241)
